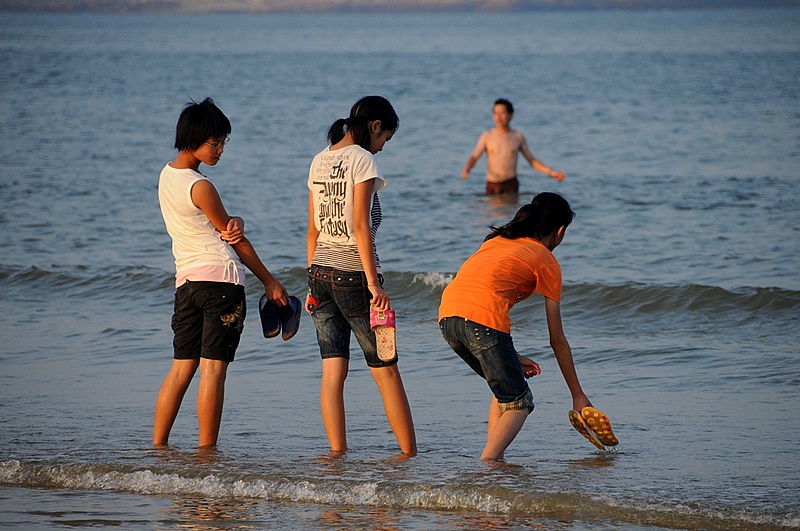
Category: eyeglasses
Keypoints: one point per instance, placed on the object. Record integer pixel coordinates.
(218, 144)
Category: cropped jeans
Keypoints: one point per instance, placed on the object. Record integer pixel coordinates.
(342, 306)
(491, 354)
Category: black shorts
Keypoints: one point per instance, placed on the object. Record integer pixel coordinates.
(208, 320)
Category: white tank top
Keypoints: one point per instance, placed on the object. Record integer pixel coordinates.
(195, 241)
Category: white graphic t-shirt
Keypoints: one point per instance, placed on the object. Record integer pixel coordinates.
(332, 179)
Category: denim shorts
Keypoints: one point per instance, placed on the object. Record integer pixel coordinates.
(208, 320)
(492, 355)
(342, 307)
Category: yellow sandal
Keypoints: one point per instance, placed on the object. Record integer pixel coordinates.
(600, 425)
(579, 424)
(594, 425)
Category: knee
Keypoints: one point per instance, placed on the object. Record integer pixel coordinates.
(215, 369)
(335, 380)
(182, 370)
(386, 374)
(335, 369)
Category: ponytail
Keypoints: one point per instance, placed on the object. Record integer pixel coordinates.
(337, 131)
(545, 214)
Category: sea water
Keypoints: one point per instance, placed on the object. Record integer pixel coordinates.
(679, 132)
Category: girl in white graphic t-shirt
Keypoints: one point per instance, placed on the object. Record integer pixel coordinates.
(344, 268)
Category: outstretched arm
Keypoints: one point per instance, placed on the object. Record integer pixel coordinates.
(563, 353)
(537, 164)
(480, 148)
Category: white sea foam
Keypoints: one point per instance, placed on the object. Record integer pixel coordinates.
(434, 279)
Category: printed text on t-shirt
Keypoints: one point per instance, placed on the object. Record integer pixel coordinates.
(332, 194)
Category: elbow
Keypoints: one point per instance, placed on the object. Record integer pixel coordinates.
(361, 231)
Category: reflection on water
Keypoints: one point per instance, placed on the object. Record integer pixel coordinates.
(491, 522)
(363, 519)
(211, 514)
(355, 518)
(602, 459)
(498, 209)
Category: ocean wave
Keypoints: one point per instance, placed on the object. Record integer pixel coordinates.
(422, 289)
(643, 301)
(83, 282)
(493, 499)
(683, 298)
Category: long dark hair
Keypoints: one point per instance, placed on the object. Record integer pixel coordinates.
(542, 216)
(367, 109)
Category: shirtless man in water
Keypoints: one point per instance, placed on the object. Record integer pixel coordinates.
(502, 144)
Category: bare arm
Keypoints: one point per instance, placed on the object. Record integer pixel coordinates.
(274, 289)
(234, 232)
(361, 213)
(207, 199)
(537, 164)
(312, 235)
(563, 353)
(480, 149)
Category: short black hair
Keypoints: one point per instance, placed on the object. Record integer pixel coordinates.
(503, 101)
(198, 122)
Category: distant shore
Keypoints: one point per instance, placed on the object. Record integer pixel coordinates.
(367, 6)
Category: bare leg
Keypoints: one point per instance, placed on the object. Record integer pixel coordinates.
(503, 428)
(210, 398)
(170, 397)
(395, 404)
(331, 401)
(494, 415)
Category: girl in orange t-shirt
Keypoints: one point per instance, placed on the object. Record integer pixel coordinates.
(514, 261)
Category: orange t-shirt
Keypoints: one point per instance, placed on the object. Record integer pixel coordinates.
(502, 273)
